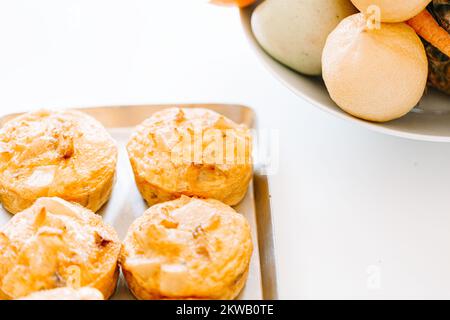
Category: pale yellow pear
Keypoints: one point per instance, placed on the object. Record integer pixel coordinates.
(375, 74)
(392, 10)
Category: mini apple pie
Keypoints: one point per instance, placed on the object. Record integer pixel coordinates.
(187, 249)
(65, 154)
(55, 243)
(193, 152)
(66, 293)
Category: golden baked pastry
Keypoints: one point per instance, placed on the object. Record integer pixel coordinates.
(55, 243)
(66, 293)
(187, 249)
(65, 154)
(192, 152)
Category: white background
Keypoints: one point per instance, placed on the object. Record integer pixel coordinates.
(357, 214)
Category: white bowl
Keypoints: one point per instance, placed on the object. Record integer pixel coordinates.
(429, 121)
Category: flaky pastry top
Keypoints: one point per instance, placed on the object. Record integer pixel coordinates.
(189, 248)
(198, 150)
(55, 153)
(54, 244)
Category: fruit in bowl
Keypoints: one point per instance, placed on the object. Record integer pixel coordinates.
(376, 74)
(393, 10)
(294, 31)
(376, 63)
(239, 3)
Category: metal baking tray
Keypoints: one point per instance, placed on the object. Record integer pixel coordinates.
(126, 204)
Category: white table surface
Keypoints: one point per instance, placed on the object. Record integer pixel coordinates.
(357, 214)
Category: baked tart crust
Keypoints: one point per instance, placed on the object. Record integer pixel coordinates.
(187, 249)
(53, 244)
(193, 152)
(65, 154)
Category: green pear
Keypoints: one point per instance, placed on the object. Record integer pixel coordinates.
(294, 31)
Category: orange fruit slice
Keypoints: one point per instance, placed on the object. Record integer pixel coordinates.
(238, 3)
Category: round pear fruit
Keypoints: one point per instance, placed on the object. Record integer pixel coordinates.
(374, 74)
(294, 31)
(393, 10)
